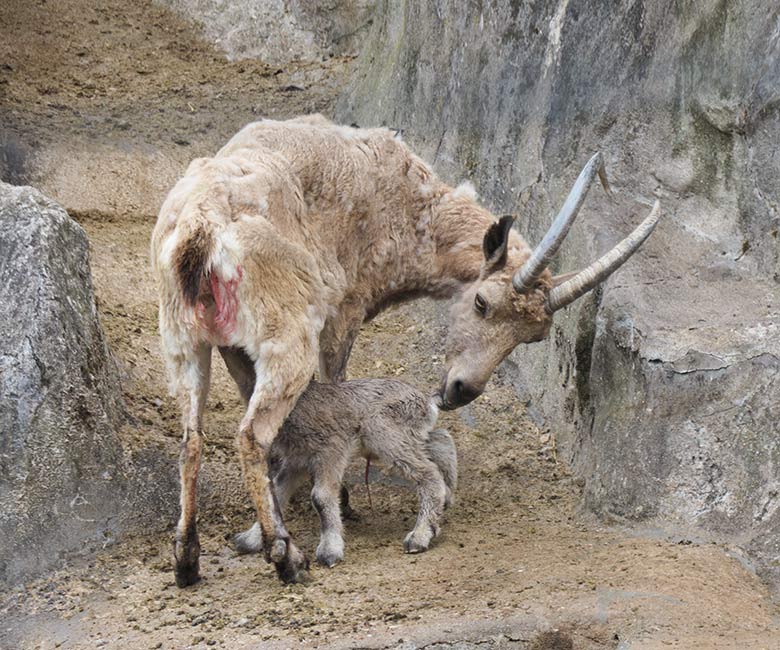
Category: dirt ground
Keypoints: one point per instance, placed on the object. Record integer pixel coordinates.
(517, 565)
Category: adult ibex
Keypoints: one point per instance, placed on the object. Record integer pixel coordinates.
(278, 248)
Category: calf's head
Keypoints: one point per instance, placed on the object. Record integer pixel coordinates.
(515, 297)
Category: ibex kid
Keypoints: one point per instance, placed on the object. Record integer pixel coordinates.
(383, 420)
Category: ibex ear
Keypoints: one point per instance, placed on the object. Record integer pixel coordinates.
(494, 244)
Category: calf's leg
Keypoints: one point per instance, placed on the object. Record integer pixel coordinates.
(403, 451)
(326, 497)
(432, 492)
(336, 341)
(440, 448)
(347, 511)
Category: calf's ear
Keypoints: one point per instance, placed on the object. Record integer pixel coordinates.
(494, 245)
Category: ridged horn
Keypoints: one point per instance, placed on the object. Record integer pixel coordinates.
(527, 274)
(602, 268)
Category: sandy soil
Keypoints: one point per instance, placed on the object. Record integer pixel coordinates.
(518, 564)
(135, 71)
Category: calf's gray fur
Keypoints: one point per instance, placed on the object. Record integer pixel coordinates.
(384, 420)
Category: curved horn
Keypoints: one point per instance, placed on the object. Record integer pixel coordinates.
(601, 269)
(526, 275)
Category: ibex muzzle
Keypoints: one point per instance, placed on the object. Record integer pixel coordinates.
(515, 297)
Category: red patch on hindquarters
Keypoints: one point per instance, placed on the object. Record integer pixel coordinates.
(218, 312)
(225, 301)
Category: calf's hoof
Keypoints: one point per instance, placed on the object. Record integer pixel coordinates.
(412, 545)
(186, 566)
(418, 541)
(330, 553)
(292, 566)
(249, 541)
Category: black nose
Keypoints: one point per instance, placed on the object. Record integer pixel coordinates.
(461, 393)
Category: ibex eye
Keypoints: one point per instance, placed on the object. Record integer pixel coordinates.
(480, 305)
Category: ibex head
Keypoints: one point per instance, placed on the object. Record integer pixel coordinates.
(515, 297)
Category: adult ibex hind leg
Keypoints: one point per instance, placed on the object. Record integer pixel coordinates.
(265, 415)
(241, 369)
(278, 329)
(193, 380)
(285, 482)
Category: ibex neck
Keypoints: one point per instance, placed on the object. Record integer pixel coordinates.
(448, 227)
(458, 226)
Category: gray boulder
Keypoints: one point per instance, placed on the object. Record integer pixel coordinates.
(663, 386)
(63, 474)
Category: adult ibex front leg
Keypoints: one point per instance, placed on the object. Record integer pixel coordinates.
(278, 375)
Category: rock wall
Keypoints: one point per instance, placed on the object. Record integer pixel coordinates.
(66, 484)
(662, 387)
(278, 31)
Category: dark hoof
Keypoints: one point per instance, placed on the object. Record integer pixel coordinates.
(186, 575)
(293, 566)
(186, 561)
(292, 574)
